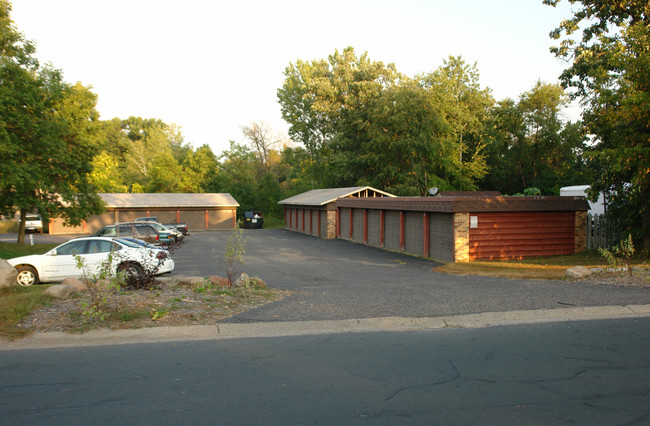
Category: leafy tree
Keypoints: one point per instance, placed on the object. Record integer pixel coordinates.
(105, 175)
(326, 104)
(463, 106)
(530, 146)
(463, 103)
(43, 121)
(237, 176)
(164, 173)
(609, 71)
(198, 168)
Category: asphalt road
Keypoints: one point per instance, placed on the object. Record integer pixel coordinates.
(337, 279)
(588, 373)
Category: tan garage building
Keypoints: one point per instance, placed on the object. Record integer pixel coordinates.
(214, 211)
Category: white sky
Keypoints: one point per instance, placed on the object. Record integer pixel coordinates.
(211, 66)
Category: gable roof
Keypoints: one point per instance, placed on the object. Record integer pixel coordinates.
(151, 200)
(320, 197)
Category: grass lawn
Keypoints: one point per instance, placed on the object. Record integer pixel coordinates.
(15, 304)
(9, 250)
(552, 268)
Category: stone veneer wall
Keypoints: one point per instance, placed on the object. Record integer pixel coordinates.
(580, 231)
(461, 237)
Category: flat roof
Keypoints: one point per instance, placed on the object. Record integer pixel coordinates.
(475, 204)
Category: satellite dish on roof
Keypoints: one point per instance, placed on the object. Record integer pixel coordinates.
(433, 191)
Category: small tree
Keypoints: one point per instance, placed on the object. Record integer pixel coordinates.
(235, 251)
(100, 286)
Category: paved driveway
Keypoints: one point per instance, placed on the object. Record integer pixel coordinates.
(336, 279)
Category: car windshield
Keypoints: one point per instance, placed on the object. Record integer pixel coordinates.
(107, 232)
(160, 227)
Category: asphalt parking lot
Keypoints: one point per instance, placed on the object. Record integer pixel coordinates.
(338, 280)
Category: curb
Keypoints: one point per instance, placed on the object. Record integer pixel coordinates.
(302, 328)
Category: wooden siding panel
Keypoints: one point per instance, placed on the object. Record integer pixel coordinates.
(521, 234)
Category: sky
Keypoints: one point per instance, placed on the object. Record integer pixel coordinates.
(211, 67)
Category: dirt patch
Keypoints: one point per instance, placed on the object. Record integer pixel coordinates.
(166, 304)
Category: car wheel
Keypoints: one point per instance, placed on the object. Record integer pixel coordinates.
(26, 276)
(132, 271)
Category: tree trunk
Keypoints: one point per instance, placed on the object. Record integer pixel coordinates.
(21, 227)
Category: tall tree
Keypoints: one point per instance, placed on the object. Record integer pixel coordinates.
(262, 140)
(609, 71)
(199, 167)
(46, 141)
(325, 103)
(530, 146)
(464, 104)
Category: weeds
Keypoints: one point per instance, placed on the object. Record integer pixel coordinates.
(158, 313)
(100, 288)
(620, 254)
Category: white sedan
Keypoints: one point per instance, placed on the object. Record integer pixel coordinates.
(60, 262)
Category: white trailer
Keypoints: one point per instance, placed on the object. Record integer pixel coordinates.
(581, 191)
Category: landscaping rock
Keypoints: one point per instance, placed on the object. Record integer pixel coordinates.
(215, 280)
(242, 281)
(578, 272)
(75, 283)
(60, 291)
(7, 274)
(258, 282)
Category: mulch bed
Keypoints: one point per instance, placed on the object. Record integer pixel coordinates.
(167, 304)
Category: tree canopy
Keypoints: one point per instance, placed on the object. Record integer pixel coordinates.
(47, 139)
(609, 72)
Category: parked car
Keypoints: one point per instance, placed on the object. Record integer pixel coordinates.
(167, 235)
(141, 243)
(143, 231)
(60, 262)
(178, 226)
(33, 223)
(253, 220)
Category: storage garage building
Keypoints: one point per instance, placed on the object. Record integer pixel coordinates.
(212, 211)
